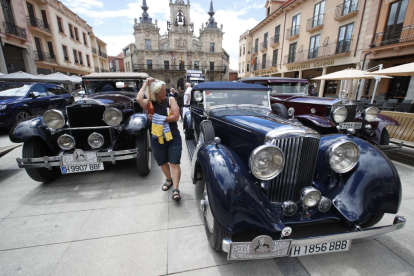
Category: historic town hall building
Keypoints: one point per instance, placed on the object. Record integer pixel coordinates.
(168, 57)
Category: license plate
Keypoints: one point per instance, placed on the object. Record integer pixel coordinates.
(327, 247)
(261, 247)
(350, 125)
(81, 168)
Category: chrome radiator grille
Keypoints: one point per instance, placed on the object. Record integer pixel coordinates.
(351, 109)
(300, 159)
(86, 116)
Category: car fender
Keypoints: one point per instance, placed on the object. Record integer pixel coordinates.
(136, 123)
(372, 186)
(377, 126)
(235, 201)
(315, 120)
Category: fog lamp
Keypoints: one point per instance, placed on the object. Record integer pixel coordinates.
(310, 196)
(66, 142)
(289, 208)
(324, 205)
(95, 140)
(291, 111)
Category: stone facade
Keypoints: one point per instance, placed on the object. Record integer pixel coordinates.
(167, 57)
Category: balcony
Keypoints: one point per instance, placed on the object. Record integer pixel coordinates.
(256, 66)
(338, 48)
(178, 67)
(274, 41)
(346, 10)
(263, 46)
(292, 33)
(255, 49)
(315, 23)
(94, 51)
(11, 29)
(38, 26)
(44, 57)
(102, 54)
(394, 36)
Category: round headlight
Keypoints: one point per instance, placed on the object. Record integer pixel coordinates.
(291, 111)
(66, 142)
(370, 114)
(112, 116)
(198, 96)
(339, 114)
(289, 208)
(95, 140)
(343, 156)
(313, 110)
(54, 119)
(324, 205)
(310, 196)
(266, 162)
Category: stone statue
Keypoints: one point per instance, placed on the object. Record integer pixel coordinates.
(135, 21)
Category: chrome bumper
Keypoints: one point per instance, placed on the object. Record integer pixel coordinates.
(399, 223)
(55, 161)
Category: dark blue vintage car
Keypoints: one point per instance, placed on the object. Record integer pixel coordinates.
(271, 187)
(19, 100)
(106, 126)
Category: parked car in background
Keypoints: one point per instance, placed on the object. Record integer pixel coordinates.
(271, 187)
(327, 115)
(107, 126)
(20, 100)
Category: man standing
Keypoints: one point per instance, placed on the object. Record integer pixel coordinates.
(179, 97)
(187, 98)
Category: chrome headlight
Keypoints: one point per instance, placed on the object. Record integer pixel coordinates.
(343, 156)
(54, 119)
(95, 140)
(3, 106)
(112, 116)
(291, 111)
(339, 114)
(266, 162)
(198, 96)
(324, 205)
(370, 114)
(310, 196)
(66, 142)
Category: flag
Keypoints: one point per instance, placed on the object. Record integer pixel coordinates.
(173, 58)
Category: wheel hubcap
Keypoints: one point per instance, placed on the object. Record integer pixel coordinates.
(207, 211)
(21, 116)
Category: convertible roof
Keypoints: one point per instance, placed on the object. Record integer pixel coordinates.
(229, 85)
(128, 75)
(273, 79)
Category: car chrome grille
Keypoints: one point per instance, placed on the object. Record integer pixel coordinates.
(300, 159)
(89, 116)
(351, 111)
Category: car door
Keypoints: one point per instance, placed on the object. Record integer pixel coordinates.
(59, 97)
(40, 100)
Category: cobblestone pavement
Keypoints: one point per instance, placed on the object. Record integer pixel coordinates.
(115, 222)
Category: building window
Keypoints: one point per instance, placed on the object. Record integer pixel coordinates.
(344, 38)
(51, 52)
(274, 59)
(60, 26)
(295, 25)
(181, 66)
(167, 79)
(65, 52)
(211, 78)
(196, 65)
(244, 49)
(87, 61)
(318, 14)
(71, 31)
(149, 64)
(350, 6)
(243, 67)
(265, 40)
(84, 39)
(166, 65)
(314, 46)
(240, 51)
(292, 52)
(147, 44)
(211, 65)
(247, 70)
(256, 45)
(80, 58)
(268, 11)
(75, 55)
(76, 34)
(7, 11)
(264, 61)
(277, 34)
(394, 32)
(211, 47)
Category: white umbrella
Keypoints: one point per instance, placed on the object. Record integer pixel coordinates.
(401, 70)
(347, 74)
(76, 79)
(19, 76)
(57, 77)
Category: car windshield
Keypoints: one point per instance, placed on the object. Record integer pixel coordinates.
(289, 88)
(14, 89)
(225, 97)
(97, 86)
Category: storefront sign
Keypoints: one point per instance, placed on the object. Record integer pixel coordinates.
(314, 65)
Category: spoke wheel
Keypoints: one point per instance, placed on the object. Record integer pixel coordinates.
(20, 115)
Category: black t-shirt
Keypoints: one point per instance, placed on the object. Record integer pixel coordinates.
(161, 108)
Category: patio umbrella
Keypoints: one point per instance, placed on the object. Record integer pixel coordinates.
(76, 79)
(57, 77)
(19, 76)
(401, 70)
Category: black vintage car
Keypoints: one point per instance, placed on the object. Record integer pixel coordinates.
(105, 126)
(271, 187)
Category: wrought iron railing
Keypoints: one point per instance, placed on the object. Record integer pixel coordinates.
(274, 62)
(11, 28)
(94, 50)
(345, 8)
(96, 69)
(314, 22)
(274, 39)
(102, 54)
(263, 45)
(394, 36)
(35, 22)
(256, 66)
(43, 56)
(339, 47)
(292, 31)
(178, 67)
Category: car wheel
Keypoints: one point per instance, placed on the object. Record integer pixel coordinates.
(215, 234)
(372, 220)
(280, 110)
(34, 148)
(206, 133)
(20, 115)
(385, 137)
(143, 159)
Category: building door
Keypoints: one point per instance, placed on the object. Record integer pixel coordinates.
(398, 88)
(395, 22)
(180, 83)
(39, 48)
(32, 17)
(14, 58)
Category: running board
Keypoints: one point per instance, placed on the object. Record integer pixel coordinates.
(191, 146)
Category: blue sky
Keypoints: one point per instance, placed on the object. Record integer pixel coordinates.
(112, 21)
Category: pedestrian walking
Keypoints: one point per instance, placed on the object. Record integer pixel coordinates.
(179, 96)
(187, 98)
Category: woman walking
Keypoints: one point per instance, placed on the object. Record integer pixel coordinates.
(166, 139)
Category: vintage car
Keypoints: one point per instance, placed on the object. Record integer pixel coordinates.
(106, 126)
(271, 187)
(327, 115)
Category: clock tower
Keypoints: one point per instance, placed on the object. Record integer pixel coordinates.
(180, 28)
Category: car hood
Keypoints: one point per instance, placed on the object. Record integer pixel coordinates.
(114, 100)
(8, 100)
(313, 100)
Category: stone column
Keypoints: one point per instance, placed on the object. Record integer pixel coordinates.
(282, 75)
(322, 85)
(300, 74)
(28, 59)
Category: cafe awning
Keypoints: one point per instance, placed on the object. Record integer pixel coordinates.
(347, 74)
(401, 70)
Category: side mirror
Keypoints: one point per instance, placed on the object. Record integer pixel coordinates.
(34, 94)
